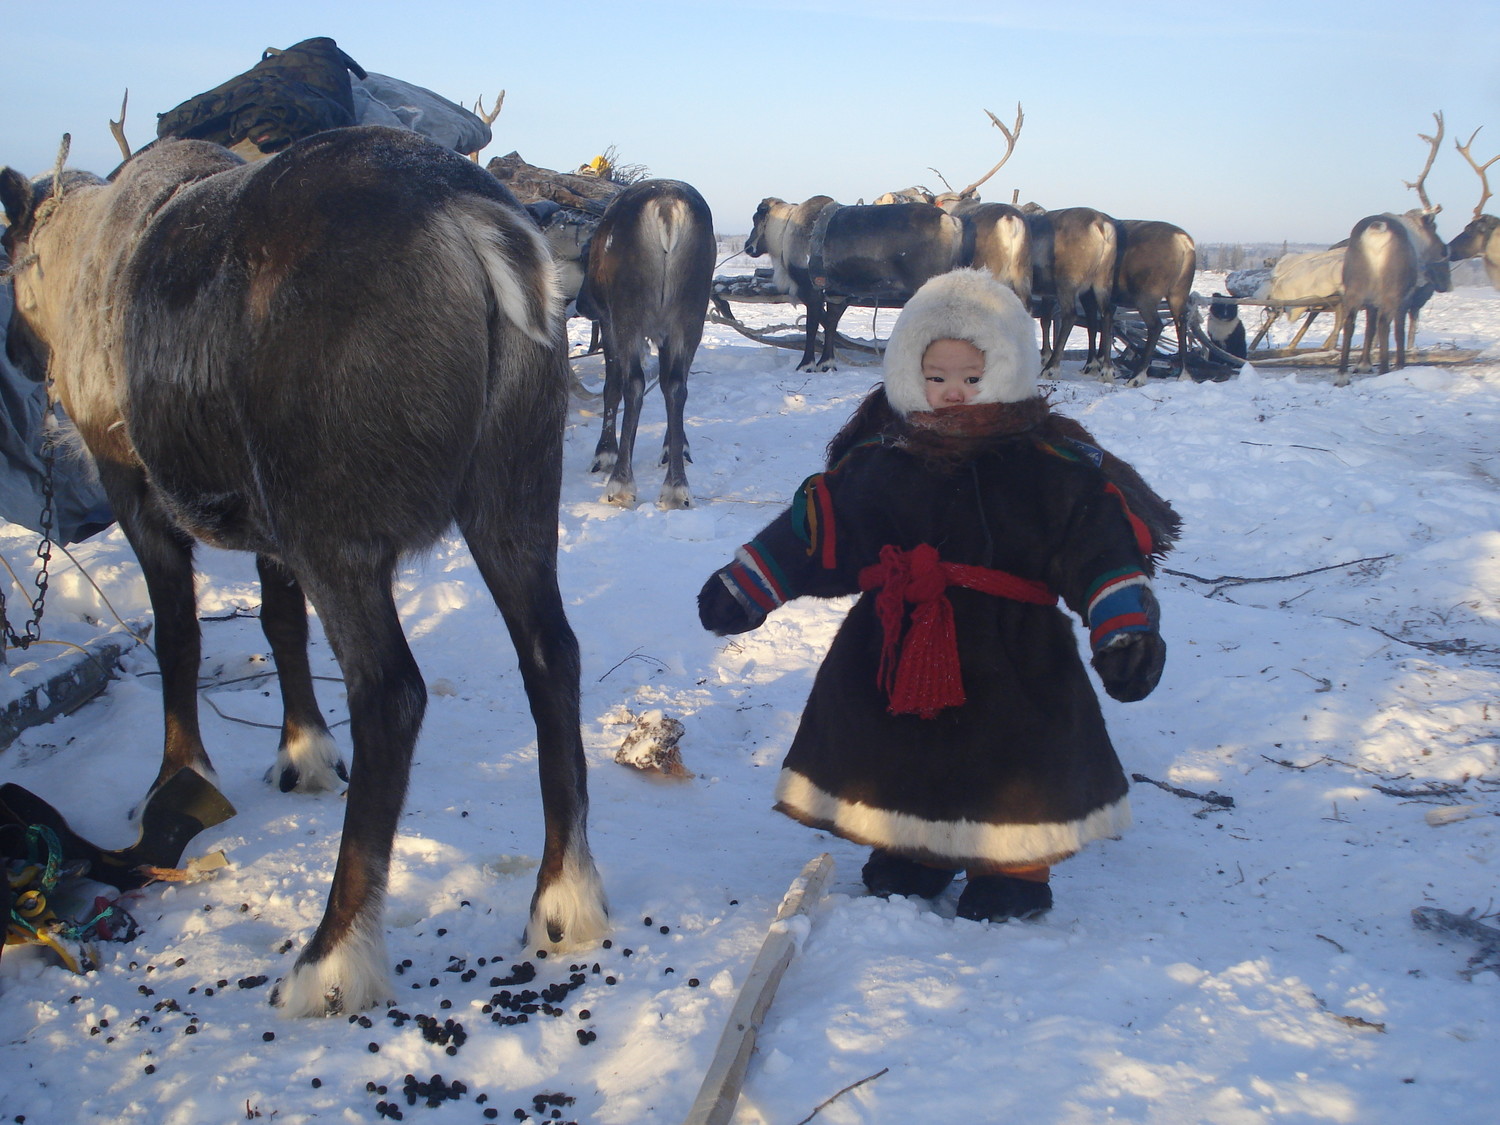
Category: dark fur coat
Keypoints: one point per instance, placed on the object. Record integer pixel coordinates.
(1023, 770)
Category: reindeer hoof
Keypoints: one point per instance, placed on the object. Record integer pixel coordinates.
(674, 497)
(603, 462)
(350, 978)
(620, 494)
(570, 912)
(308, 762)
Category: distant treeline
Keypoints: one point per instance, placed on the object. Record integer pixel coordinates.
(1226, 256)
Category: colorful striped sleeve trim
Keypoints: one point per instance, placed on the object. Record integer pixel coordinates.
(812, 519)
(755, 573)
(1071, 449)
(1116, 605)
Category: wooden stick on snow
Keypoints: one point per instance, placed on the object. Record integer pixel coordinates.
(721, 1085)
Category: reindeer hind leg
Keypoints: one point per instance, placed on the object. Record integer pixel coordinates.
(674, 361)
(607, 451)
(307, 760)
(516, 552)
(833, 312)
(620, 487)
(343, 967)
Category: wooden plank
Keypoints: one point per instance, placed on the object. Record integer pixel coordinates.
(726, 1072)
(1321, 357)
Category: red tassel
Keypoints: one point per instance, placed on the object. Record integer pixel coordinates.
(928, 679)
(920, 672)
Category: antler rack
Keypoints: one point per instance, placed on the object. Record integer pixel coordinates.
(1481, 170)
(1010, 147)
(1420, 187)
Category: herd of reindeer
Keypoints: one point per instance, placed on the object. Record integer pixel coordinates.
(330, 357)
(1081, 263)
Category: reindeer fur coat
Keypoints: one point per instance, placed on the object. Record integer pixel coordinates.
(1017, 767)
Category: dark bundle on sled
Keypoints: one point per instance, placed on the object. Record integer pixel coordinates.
(874, 417)
(532, 184)
(288, 95)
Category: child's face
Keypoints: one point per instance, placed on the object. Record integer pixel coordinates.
(951, 370)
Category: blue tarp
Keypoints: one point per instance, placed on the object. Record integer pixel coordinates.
(79, 507)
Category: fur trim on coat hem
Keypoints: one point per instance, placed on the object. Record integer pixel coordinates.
(953, 843)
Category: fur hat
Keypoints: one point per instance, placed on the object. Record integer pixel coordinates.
(963, 305)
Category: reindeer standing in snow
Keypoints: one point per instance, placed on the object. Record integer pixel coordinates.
(325, 358)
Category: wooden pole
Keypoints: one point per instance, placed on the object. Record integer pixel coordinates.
(726, 1073)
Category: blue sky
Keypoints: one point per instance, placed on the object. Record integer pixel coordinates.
(1245, 121)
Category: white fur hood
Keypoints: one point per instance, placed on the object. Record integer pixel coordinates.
(963, 305)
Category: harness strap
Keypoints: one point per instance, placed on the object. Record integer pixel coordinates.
(816, 238)
(920, 671)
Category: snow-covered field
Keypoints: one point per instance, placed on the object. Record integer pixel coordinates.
(1333, 617)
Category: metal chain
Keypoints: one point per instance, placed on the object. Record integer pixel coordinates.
(33, 631)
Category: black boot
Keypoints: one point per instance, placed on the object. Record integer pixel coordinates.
(886, 874)
(995, 898)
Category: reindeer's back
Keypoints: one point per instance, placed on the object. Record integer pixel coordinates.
(651, 260)
(324, 336)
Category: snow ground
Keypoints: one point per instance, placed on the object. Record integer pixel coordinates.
(1225, 965)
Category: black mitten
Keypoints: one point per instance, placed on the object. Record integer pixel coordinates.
(1131, 667)
(723, 613)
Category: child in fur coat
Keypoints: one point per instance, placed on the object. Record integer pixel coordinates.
(952, 725)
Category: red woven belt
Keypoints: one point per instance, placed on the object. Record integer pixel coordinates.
(919, 671)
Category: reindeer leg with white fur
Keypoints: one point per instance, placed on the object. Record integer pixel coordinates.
(344, 966)
(308, 759)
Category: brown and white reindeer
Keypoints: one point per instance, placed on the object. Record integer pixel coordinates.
(998, 239)
(650, 270)
(1392, 265)
(1075, 255)
(1157, 262)
(1380, 278)
(325, 358)
(1481, 238)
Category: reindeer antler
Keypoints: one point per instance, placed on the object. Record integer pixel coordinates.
(1010, 147)
(487, 116)
(1420, 186)
(118, 127)
(1479, 169)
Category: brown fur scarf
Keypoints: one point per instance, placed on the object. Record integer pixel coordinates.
(954, 433)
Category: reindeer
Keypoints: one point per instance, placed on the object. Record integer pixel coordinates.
(1392, 265)
(1075, 254)
(1156, 264)
(566, 232)
(997, 238)
(783, 231)
(827, 255)
(650, 269)
(324, 358)
(1380, 278)
(1480, 238)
